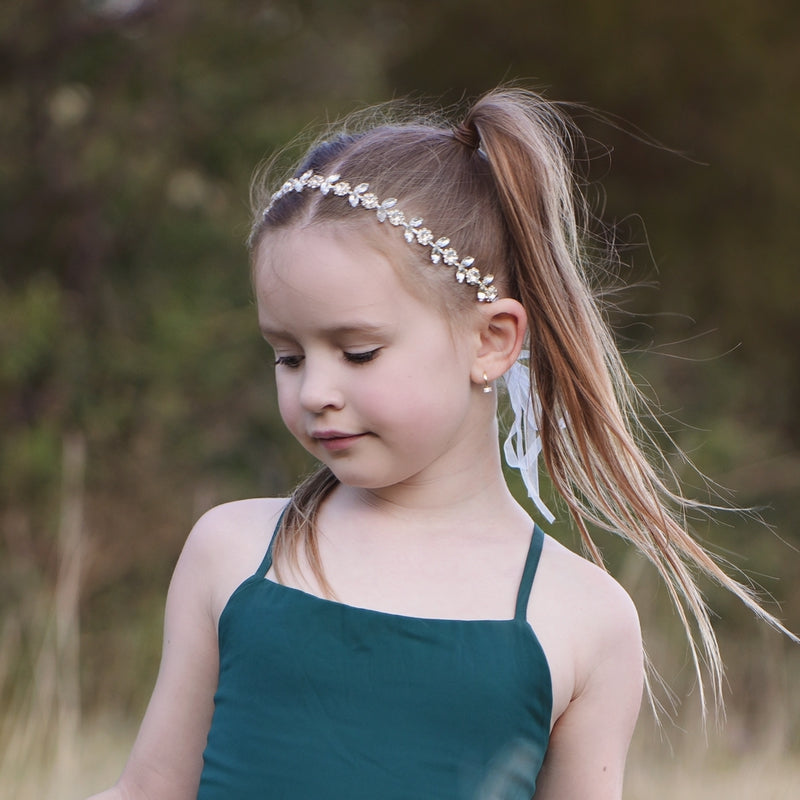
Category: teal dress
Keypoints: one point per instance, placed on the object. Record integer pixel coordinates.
(318, 700)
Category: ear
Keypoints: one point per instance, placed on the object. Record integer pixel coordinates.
(502, 328)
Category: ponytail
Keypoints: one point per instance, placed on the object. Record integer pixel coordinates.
(591, 439)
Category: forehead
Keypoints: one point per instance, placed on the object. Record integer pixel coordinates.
(328, 274)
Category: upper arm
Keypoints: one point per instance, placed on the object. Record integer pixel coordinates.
(166, 759)
(225, 547)
(589, 742)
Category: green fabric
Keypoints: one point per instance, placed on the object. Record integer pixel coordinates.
(319, 700)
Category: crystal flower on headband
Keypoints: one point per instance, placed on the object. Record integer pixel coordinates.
(387, 210)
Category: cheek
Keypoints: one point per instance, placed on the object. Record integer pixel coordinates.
(393, 388)
(287, 405)
(417, 396)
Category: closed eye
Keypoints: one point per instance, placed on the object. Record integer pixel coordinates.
(362, 358)
(292, 362)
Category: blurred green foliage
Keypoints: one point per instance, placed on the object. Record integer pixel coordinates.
(128, 133)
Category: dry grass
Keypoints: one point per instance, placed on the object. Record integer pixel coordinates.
(99, 753)
(89, 763)
(706, 776)
(754, 778)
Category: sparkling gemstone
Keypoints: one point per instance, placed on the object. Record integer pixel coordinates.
(328, 182)
(369, 200)
(355, 195)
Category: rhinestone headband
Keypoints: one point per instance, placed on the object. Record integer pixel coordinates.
(413, 230)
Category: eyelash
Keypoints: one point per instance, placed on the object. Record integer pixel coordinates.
(362, 358)
(293, 362)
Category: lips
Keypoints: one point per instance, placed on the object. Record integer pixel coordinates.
(334, 441)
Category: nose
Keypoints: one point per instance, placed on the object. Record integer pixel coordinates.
(319, 388)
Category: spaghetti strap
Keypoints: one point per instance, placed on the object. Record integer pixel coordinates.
(528, 574)
(266, 563)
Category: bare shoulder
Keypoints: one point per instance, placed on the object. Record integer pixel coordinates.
(589, 629)
(583, 618)
(229, 541)
(237, 520)
(586, 592)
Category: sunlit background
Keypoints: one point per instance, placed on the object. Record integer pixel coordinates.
(136, 392)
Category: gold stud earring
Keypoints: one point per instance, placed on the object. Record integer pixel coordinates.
(487, 387)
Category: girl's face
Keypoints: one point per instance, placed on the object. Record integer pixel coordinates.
(371, 380)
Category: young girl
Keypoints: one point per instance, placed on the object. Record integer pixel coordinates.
(401, 628)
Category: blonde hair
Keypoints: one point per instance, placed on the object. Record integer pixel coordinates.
(501, 185)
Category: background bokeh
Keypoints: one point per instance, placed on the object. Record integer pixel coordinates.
(135, 390)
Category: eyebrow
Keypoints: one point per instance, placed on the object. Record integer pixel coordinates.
(352, 329)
